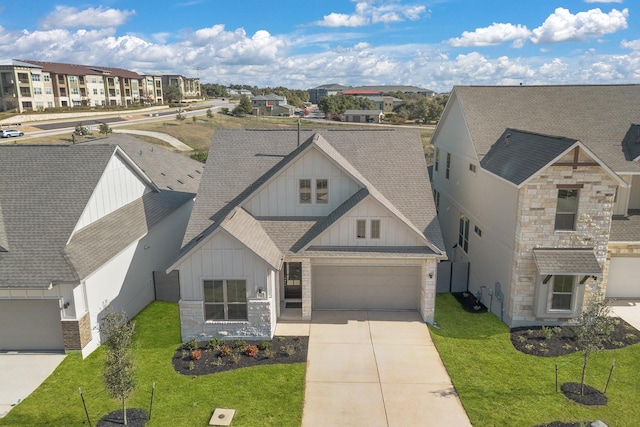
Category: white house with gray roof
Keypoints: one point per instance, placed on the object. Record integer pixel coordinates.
(289, 222)
(83, 226)
(538, 190)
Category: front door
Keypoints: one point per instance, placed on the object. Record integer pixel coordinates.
(293, 281)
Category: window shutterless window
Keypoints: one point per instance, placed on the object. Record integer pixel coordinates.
(562, 292)
(361, 229)
(566, 209)
(448, 165)
(225, 299)
(463, 234)
(375, 228)
(436, 160)
(305, 191)
(436, 199)
(322, 191)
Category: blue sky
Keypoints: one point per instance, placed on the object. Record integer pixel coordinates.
(434, 44)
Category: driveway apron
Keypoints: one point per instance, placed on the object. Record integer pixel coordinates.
(21, 374)
(368, 368)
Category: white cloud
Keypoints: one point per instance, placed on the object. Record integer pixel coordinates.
(70, 17)
(563, 26)
(630, 44)
(373, 12)
(492, 35)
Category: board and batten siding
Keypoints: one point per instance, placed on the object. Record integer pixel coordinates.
(223, 257)
(280, 197)
(117, 187)
(393, 232)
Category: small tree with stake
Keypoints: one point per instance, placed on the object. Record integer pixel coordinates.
(593, 330)
(118, 366)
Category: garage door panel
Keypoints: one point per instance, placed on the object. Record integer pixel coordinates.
(622, 281)
(30, 325)
(366, 288)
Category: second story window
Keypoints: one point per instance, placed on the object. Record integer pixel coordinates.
(375, 228)
(322, 191)
(361, 229)
(448, 165)
(305, 191)
(436, 160)
(567, 209)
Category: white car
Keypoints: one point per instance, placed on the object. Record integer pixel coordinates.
(8, 133)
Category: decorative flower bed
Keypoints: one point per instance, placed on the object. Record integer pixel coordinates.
(209, 357)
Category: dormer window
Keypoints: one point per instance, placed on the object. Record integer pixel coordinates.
(322, 191)
(305, 191)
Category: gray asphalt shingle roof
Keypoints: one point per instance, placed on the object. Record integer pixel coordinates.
(599, 116)
(390, 164)
(43, 192)
(573, 262)
(518, 155)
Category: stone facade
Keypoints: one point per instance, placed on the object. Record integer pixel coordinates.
(428, 290)
(535, 228)
(76, 333)
(258, 325)
(306, 288)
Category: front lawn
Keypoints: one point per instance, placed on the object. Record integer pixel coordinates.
(500, 386)
(270, 395)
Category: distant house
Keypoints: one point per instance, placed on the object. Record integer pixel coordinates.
(271, 105)
(317, 93)
(363, 116)
(537, 189)
(288, 222)
(83, 226)
(384, 89)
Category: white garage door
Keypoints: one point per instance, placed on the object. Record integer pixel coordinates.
(30, 325)
(624, 278)
(365, 288)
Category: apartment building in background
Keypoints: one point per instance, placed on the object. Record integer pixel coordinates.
(27, 85)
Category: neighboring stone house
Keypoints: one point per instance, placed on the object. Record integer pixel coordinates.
(271, 105)
(363, 116)
(287, 222)
(83, 226)
(537, 188)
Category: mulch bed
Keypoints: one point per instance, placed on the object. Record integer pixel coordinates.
(590, 397)
(469, 302)
(230, 355)
(135, 418)
(532, 340)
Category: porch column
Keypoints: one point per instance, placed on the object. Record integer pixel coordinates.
(306, 288)
(428, 279)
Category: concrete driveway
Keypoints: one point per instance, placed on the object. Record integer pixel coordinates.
(367, 368)
(628, 310)
(21, 374)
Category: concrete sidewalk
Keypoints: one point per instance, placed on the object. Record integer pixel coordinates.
(628, 310)
(174, 142)
(21, 374)
(376, 369)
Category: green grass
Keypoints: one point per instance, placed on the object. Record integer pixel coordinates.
(267, 395)
(500, 386)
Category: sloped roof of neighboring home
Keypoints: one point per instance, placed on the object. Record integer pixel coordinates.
(631, 143)
(43, 192)
(396, 88)
(168, 170)
(332, 86)
(16, 63)
(517, 155)
(599, 116)
(390, 162)
(82, 70)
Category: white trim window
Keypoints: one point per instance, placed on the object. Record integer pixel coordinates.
(309, 193)
(561, 293)
(304, 188)
(361, 229)
(322, 191)
(567, 209)
(436, 159)
(375, 228)
(225, 299)
(463, 234)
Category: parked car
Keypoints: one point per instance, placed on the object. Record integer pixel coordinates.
(8, 133)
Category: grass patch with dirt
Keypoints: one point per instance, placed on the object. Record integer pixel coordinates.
(270, 395)
(501, 386)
